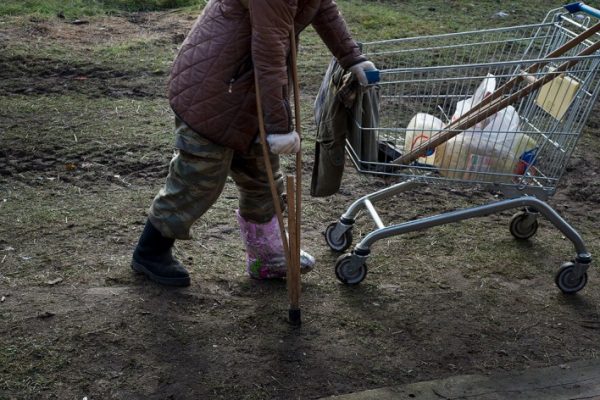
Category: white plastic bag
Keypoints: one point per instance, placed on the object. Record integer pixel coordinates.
(491, 147)
(485, 88)
(497, 136)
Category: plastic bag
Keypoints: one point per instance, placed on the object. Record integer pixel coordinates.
(488, 151)
(485, 88)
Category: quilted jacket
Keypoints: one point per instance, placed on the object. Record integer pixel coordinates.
(211, 87)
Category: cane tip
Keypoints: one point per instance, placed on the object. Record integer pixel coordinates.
(295, 316)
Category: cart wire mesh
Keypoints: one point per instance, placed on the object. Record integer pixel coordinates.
(427, 82)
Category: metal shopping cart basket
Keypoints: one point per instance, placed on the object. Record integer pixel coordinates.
(499, 109)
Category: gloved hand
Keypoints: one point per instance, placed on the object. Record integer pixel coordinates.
(284, 143)
(359, 71)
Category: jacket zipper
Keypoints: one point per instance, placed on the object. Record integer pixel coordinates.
(243, 68)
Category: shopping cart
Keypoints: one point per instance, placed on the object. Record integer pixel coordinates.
(497, 109)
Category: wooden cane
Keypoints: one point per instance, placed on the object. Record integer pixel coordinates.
(487, 109)
(272, 186)
(294, 281)
(269, 168)
(293, 271)
(292, 247)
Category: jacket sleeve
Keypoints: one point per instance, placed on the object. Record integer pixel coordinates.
(272, 22)
(332, 29)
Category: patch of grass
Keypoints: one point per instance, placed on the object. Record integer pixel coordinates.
(371, 20)
(139, 64)
(75, 8)
(28, 361)
(145, 53)
(49, 7)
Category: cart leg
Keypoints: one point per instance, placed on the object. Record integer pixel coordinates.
(480, 211)
(339, 234)
(382, 194)
(571, 278)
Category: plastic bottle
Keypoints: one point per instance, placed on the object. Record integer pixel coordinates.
(420, 128)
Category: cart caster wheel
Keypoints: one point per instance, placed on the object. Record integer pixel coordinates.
(347, 273)
(566, 280)
(338, 244)
(519, 229)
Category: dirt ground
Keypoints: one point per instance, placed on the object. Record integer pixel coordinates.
(85, 146)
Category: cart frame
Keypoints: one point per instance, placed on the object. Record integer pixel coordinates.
(527, 191)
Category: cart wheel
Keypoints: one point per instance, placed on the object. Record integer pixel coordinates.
(518, 228)
(340, 244)
(567, 282)
(347, 273)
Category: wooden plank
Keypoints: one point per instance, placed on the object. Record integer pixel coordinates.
(574, 381)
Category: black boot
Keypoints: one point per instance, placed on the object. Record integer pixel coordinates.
(153, 257)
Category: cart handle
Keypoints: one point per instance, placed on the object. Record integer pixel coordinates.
(581, 6)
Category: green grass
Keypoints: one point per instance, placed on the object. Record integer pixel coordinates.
(29, 361)
(77, 8)
(152, 53)
(383, 19)
(148, 52)
(371, 20)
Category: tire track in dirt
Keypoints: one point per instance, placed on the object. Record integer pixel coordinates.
(37, 76)
(123, 165)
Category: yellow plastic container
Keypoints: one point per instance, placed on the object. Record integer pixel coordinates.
(556, 96)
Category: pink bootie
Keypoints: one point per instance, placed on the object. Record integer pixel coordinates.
(264, 250)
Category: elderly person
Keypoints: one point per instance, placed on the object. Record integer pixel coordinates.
(212, 93)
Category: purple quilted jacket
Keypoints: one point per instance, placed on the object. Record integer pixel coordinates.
(211, 87)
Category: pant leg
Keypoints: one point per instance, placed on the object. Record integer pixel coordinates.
(250, 175)
(197, 175)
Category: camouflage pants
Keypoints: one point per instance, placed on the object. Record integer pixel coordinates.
(197, 175)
